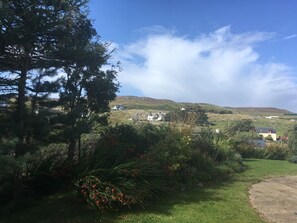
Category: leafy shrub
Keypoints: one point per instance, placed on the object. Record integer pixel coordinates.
(249, 150)
(292, 139)
(144, 161)
(48, 169)
(293, 159)
(269, 138)
(102, 195)
(239, 126)
(277, 152)
(126, 185)
(8, 165)
(216, 146)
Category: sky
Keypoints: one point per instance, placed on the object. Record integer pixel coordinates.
(226, 52)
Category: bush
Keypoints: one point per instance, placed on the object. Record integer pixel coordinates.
(126, 185)
(293, 159)
(8, 165)
(269, 138)
(144, 161)
(277, 152)
(249, 150)
(48, 169)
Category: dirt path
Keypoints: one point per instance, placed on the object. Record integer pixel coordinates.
(276, 199)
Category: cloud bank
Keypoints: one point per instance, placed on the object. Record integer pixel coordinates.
(219, 67)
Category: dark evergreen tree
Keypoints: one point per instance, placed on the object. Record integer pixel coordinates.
(35, 35)
(86, 92)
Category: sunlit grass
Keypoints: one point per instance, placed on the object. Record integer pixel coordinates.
(225, 202)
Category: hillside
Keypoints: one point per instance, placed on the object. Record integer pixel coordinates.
(134, 102)
(259, 110)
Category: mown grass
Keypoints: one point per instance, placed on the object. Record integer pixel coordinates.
(224, 202)
(221, 202)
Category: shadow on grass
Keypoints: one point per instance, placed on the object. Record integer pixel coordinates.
(68, 207)
(166, 204)
(60, 208)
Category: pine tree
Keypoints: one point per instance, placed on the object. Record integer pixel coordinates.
(37, 35)
(86, 92)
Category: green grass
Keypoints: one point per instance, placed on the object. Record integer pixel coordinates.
(225, 202)
(221, 202)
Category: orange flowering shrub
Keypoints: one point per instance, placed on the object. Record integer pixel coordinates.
(102, 195)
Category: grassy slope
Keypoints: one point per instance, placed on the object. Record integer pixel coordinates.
(144, 105)
(223, 202)
(133, 102)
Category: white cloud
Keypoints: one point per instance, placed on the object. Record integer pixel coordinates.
(290, 36)
(220, 68)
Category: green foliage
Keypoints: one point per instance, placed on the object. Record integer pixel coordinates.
(275, 151)
(142, 162)
(293, 159)
(206, 203)
(7, 167)
(126, 185)
(191, 116)
(239, 126)
(42, 172)
(249, 150)
(43, 36)
(48, 170)
(293, 139)
(269, 138)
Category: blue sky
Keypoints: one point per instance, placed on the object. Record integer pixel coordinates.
(229, 53)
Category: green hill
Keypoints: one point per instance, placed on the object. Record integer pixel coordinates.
(146, 103)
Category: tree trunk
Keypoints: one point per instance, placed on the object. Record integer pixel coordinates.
(20, 119)
(79, 148)
(71, 149)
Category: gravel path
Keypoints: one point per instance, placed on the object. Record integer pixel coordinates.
(276, 199)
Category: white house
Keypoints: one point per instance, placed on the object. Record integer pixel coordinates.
(264, 131)
(118, 107)
(156, 116)
(272, 116)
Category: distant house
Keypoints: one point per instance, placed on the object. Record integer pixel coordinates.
(118, 107)
(264, 131)
(156, 116)
(272, 116)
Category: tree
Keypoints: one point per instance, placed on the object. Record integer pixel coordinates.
(86, 92)
(49, 46)
(245, 125)
(35, 35)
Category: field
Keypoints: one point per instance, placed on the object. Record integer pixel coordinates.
(142, 105)
(221, 202)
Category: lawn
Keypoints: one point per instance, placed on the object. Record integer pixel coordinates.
(220, 202)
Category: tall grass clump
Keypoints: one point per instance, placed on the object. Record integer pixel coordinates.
(133, 165)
